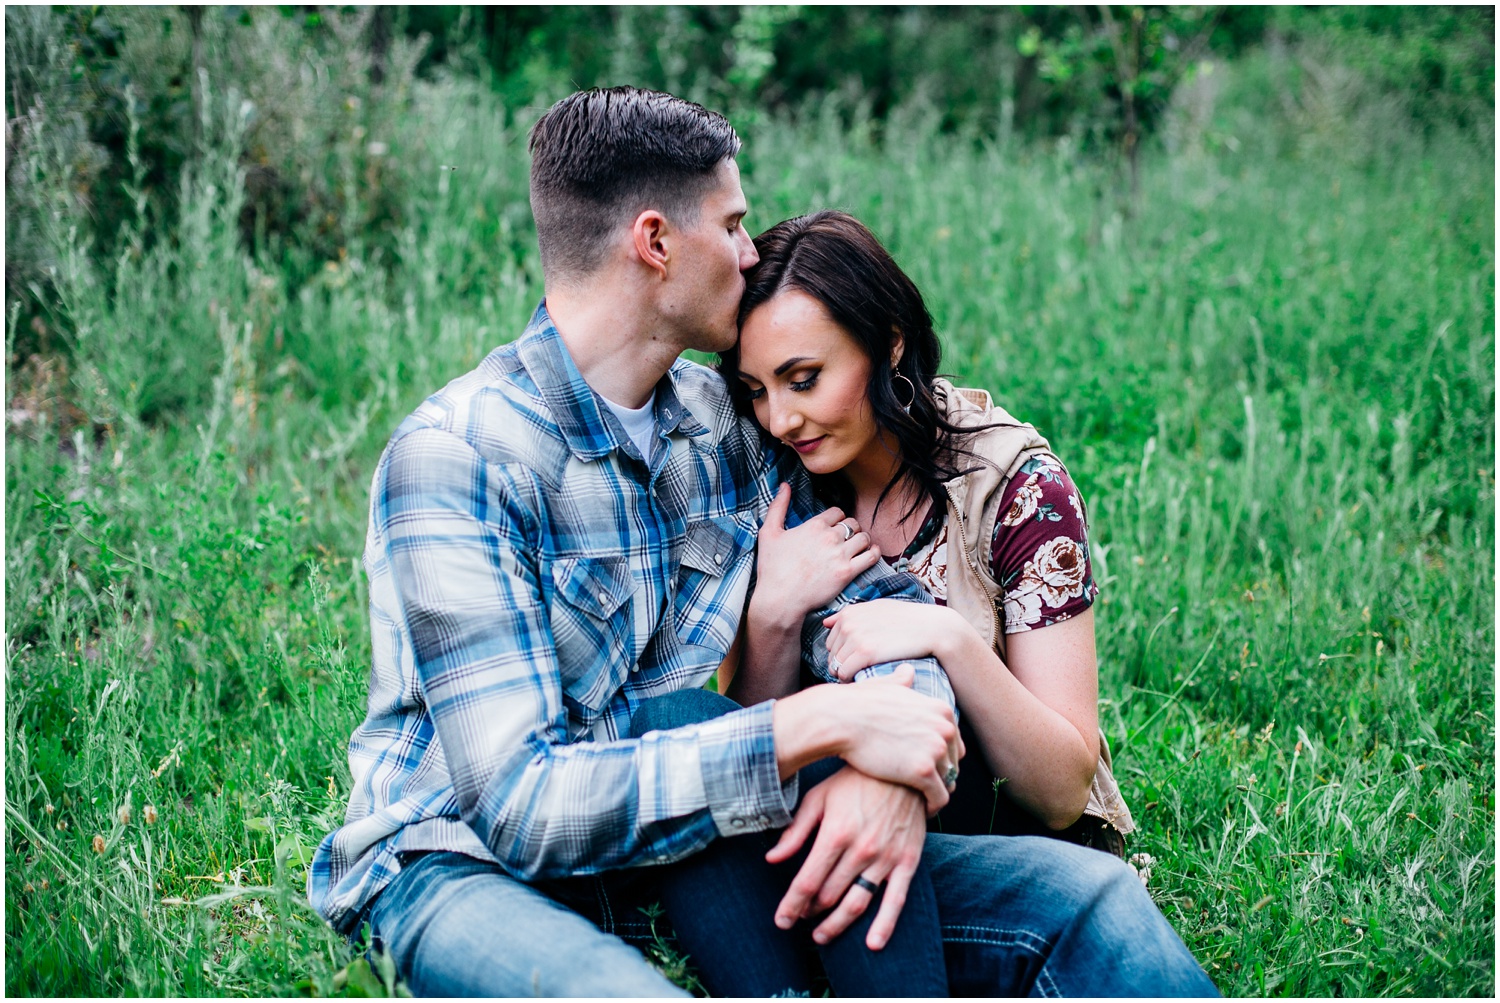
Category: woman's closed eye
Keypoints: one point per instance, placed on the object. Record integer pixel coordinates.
(799, 386)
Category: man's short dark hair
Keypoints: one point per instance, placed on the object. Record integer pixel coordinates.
(599, 157)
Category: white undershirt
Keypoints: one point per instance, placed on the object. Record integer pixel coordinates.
(640, 424)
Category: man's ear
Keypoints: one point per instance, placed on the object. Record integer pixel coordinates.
(647, 235)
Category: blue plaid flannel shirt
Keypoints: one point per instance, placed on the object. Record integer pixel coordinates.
(531, 581)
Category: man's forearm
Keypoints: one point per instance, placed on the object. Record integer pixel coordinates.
(808, 727)
(882, 728)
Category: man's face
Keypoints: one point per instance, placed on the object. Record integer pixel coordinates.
(706, 281)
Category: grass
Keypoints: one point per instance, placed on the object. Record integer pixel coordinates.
(1272, 374)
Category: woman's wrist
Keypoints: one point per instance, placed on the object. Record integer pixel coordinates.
(956, 644)
(772, 654)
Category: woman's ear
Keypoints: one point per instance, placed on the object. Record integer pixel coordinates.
(898, 346)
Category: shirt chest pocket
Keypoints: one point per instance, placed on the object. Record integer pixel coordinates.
(712, 582)
(593, 630)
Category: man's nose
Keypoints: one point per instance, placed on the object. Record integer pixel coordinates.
(749, 256)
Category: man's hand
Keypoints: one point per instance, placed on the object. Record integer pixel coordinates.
(912, 743)
(803, 568)
(866, 828)
(879, 726)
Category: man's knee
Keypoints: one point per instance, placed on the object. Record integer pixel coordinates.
(678, 710)
(456, 926)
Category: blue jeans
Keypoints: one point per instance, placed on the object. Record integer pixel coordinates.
(1006, 915)
(722, 905)
(457, 926)
(1017, 915)
(1020, 916)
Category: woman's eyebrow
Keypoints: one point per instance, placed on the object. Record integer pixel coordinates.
(789, 363)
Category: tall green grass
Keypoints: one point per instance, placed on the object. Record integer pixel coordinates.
(1272, 373)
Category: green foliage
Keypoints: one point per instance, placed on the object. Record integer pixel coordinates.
(1273, 379)
(1438, 61)
(114, 110)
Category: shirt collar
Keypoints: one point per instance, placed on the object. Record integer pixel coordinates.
(577, 409)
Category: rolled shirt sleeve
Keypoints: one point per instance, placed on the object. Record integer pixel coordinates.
(880, 582)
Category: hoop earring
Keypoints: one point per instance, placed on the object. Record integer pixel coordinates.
(909, 385)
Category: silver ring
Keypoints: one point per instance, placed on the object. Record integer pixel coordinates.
(848, 533)
(950, 779)
(867, 885)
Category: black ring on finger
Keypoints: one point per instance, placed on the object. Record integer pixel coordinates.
(867, 885)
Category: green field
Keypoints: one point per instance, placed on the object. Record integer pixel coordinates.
(1271, 371)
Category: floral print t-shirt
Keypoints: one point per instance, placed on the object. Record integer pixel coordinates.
(1039, 553)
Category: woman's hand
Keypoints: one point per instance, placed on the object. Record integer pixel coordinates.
(887, 630)
(800, 569)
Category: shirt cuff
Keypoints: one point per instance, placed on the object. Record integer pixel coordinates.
(930, 679)
(741, 780)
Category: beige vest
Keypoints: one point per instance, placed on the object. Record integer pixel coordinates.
(973, 507)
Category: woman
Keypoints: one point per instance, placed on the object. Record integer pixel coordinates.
(837, 359)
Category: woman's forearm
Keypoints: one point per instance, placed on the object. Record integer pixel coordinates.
(1046, 760)
(772, 656)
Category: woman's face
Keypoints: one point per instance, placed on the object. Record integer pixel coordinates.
(807, 379)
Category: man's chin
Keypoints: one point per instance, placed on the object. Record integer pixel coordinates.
(719, 341)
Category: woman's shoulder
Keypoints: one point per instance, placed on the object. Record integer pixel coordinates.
(983, 439)
(1041, 494)
(1039, 551)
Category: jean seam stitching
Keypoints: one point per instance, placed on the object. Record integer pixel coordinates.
(606, 907)
(1045, 983)
(998, 937)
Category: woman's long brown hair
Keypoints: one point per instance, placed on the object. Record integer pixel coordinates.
(834, 258)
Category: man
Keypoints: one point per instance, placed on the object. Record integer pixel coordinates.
(567, 532)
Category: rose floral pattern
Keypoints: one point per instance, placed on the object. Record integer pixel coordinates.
(1039, 554)
(1056, 574)
(1023, 506)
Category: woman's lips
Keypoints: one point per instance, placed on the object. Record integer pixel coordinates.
(808, 445)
